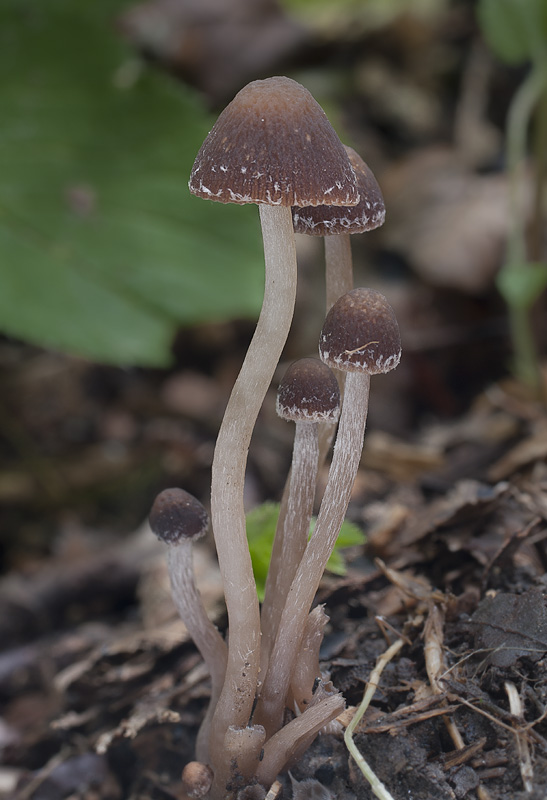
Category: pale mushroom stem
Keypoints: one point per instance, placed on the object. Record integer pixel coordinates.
(291, 535)
(342, 473)
(243, 747)
(339, 267)
(206, 637)
(235, 704)
(306, 668)
(297, 735)
(338, 281)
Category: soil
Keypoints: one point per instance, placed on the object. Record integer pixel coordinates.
(99, 684)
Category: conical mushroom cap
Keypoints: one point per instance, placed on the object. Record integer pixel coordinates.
(369, 213)
(308, 392)
(273, 144)
(177, 516)
(361, 333)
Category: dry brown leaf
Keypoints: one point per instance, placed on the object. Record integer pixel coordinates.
(450, 222)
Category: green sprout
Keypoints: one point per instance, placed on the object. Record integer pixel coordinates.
(261, 524)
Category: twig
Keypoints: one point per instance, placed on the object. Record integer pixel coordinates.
(434, 664)
(275, 788)
(376, 785)
(525, 762)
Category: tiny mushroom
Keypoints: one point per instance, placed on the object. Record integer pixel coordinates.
(178, 519)
(360, 336)
(307, 395)
(273, 146)
(197, 779)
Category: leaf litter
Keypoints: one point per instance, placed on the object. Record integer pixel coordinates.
(115, 690)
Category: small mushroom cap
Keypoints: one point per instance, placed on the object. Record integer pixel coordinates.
(361, 334)
(309, 392)
(177, 516)
(197, 779)
(273, 144)
(369, 213)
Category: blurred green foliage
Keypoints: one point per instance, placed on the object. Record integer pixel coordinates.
(261, 524)
(103, 251)
(358, 15)
(516, 32)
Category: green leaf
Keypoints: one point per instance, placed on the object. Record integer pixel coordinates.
(522, 284)
(515, 30)
(103, 251)
(261, 524)
(359, 15)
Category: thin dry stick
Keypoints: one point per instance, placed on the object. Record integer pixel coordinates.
(376, 785)
(525, 761)
(274, 792)
(434, 664)
(495, 720)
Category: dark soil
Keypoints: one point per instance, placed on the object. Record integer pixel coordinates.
(98, 683)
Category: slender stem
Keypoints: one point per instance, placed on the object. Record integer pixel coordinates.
(235, 704)
(306, 668)
(280, 747)
(339, 281)
(190, 606)
(339, 267)
(345, 462)
(243, 747)
(291, 535)
(205, 635)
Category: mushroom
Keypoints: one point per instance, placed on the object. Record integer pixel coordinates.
(336, 224)
(196, 779)
(307, 395)
(178, 519)
(273, 146)
(360, 336)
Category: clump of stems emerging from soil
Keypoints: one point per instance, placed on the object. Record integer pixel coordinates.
(273, 146)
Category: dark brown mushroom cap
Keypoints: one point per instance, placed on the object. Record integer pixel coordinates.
(177, 516)
(273, 144)
(361, 334)
(369, 213)
(308, 392)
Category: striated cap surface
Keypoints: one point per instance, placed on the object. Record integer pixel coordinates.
(308, 392)
(361, 334)
(369, 213)
(273, 144)
(177, 516)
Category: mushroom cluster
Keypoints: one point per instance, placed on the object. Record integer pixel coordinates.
(274, 146)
